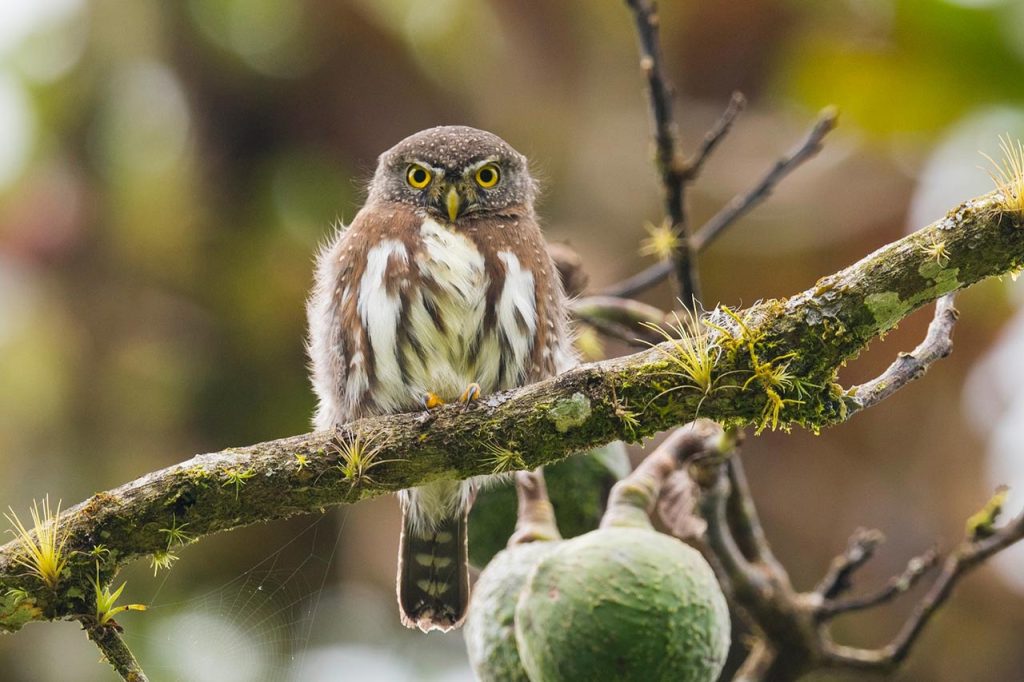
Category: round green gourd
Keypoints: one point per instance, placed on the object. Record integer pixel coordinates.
(490, 629)
(622, 604)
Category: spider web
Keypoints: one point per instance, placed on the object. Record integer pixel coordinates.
(287, 617)
(257, 626)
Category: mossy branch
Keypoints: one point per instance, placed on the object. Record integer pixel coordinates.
(117, 653)
(798, 343)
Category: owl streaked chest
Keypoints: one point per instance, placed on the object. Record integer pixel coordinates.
(445, 313)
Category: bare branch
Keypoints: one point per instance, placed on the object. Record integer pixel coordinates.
(671, 166)
(641, 281)
(622, 333)
(722, 126)
(744, 521)
(967, 556)
(937, 344)
(760, 592)
(625, 311)
(109, 640)
(621, 318)
(859, 549)
(791, 635)
(757, 663)
(738, 573)
(639, 492)
(736, 208)
(742, 204)
(897, 585)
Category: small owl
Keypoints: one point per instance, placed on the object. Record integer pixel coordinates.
(440, 289)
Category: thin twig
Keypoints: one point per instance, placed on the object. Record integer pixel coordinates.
(623, 333)
(735, 570)
(897, 585)
(620, 318)
(695, 164)
(614, 309)
(859, 549)
(742, 204)
(744, 521)
(109, 640)
(642, 281)
(968, 555)
(659, 271)
(937, 344)
(737, 207)
(757, 663)
(671, 166)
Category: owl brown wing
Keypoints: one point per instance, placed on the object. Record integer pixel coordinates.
(551, 348)
(341, 355)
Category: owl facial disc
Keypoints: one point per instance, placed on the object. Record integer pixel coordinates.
(454, 172)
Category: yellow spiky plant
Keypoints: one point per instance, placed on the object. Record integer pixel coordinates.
(357, 455)
(42, 548)
(1009, 175)
(503, 459)
(662, 241)
(694, 352)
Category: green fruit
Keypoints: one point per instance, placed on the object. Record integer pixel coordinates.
(622, 604)
(490, 630)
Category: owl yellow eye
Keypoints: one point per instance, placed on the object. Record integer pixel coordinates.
(488, 176)
(417, 176)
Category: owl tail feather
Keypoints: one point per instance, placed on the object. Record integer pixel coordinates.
(433, 574)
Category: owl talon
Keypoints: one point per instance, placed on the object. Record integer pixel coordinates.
(471, 394)
(431, 400)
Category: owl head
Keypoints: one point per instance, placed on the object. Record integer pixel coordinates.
(455, 173)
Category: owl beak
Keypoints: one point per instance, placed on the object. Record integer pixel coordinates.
(454, 203)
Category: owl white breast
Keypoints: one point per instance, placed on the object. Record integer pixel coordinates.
(435, 337)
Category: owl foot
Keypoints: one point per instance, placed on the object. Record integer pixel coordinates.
(471, 394)
(431, 400)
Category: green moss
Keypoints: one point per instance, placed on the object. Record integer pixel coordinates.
(945, 280)
(570, 413)
(197, 475)
(886, 308)
(16, 609)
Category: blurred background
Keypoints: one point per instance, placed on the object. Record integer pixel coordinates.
(168, 168)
